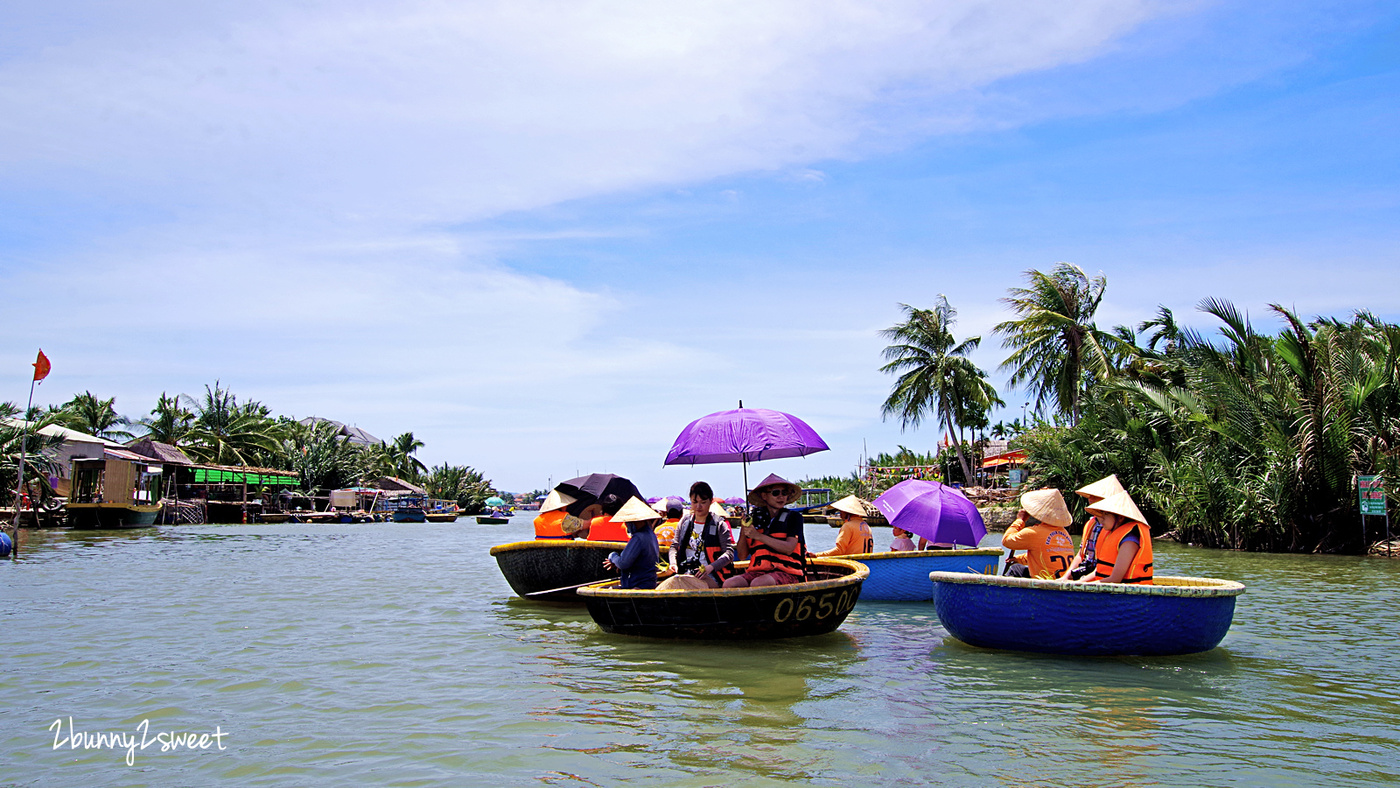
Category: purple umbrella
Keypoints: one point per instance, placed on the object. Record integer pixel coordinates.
(744, 435)
(934, 511)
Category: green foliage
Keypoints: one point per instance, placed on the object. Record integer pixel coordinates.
(1254, 442)
(459, 483)
(169, 421)
(324, 458)
(88, 414)
(936, 377)
(17, 437)
(226, 433)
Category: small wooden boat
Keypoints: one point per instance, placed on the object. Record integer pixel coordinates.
(544, 564)
(486, 519)
(903, 576)
(814, 607)
(442, 517)
(1176, 615)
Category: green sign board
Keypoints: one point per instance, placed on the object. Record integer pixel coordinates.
(216, 476)
(1372, 494)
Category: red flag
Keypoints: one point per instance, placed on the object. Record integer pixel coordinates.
(41, 367)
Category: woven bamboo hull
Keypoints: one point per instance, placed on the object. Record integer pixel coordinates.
(903, 577)
(484, 520)
(1177, 615)
(542, 564)
(811, 608)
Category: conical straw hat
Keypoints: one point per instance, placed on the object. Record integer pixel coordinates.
(854, 505)
(556, 500)
(1102, 488)
(1120, 504)
(635, 510)
(1047, 506)
(756, 495)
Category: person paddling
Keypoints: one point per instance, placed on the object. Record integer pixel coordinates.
(637, 561)
(855, 537)
(1042, 530)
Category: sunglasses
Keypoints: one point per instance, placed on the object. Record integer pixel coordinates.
(777, 493)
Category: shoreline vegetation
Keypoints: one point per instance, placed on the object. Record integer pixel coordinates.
(218, 429)
(1248, 440)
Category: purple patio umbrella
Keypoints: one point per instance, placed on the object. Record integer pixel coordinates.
(744, 435)
(932, 510)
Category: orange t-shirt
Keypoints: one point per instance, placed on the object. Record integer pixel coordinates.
(852, 540)
(1049, 549)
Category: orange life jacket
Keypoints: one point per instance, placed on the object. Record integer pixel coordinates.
(603, 529)
(550, 525)
(666, 533)
(766, 559)
(1106, 549)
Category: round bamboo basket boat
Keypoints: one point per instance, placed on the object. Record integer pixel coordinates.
(1176, 615)
(903, 576)
(543, 564)
(814, 607)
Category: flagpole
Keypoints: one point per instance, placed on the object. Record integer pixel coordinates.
(23, 455)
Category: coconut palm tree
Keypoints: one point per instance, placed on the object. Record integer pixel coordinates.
(1056, 349)
(936, 377)
(401, 459)
(88, 414)
(169, 421)
(226, 433)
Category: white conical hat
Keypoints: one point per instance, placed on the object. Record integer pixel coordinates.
(556, 500)
(1102, 488)
(634, 511)
(1047, 506)
(1120, 504)
(852, 504)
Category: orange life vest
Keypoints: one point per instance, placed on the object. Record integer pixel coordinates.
(550, 525)
(1106, 549)
(603, 529)
(766, 559)
(713, 546)
(666, 533)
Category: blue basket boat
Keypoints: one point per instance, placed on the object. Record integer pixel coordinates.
(903, 576)
(1177, 615)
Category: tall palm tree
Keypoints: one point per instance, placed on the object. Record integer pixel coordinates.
(86, 413)
(936, 377)
(405, 465)
(227, 433)
(169, 421)
(1056, 349)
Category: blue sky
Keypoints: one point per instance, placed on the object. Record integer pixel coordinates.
(546, 236)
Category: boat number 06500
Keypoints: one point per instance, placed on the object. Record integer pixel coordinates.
(819, 607)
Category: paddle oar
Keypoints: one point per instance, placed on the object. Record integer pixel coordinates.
(564, 588)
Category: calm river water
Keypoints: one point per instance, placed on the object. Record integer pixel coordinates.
(396, 655)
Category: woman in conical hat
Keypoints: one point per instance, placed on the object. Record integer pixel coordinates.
(637, 561)
(774, 535)
(1122, 544)
(1084, 559)
(855, 537)
(1041, 529)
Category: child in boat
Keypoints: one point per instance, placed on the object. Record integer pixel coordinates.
(1042, 530)
(774, 535)
(637, 561)
(855, 537)
(903, 540)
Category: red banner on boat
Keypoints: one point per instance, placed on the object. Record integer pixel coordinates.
(41, 367)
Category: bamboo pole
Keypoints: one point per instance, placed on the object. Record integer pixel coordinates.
(23, 455)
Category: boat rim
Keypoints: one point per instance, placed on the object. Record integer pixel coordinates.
(859, 572)
(1163, 585)
(966, 551)
(554, 543)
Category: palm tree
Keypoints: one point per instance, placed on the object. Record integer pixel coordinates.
(1057, 350)
(936, 377)
(401, 459)
(226, 433)
(88, 414)
(169, 421)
